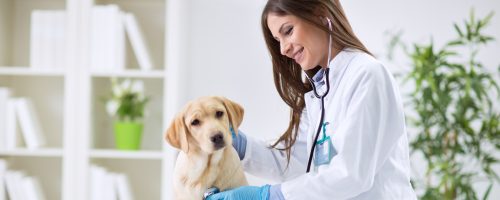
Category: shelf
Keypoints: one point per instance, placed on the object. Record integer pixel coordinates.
(32, 152)
(77, 129)
(121, 154)
(27, 71)
(130, 74)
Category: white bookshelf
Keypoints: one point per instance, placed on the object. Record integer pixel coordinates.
(155, 74)
(44, 152)
(127, 155)
(46, 89)
(78, 131)
(27, 71)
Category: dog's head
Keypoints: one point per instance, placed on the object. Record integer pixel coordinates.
(204, 124)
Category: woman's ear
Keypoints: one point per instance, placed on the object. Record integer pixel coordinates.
(327, 22)
(324, 20)
(322, 13)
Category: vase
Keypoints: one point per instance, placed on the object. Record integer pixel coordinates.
(128, 135)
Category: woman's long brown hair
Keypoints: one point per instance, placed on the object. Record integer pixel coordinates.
(287, 73)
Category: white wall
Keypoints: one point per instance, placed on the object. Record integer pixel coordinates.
(419, 20)
(227, 54)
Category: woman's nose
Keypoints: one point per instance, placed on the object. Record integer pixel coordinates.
(285, 48)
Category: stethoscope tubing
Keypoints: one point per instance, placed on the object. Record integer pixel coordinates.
(322, 97)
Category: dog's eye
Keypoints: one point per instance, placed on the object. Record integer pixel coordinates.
(219, 114)
(195, 122)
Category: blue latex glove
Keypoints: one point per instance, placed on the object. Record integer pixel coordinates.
(243, 193)
(239, 143)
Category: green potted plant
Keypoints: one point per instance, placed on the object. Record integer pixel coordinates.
(454, 114)
(126, 105)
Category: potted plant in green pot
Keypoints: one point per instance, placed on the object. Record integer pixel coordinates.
(456, 121)
(126, 105)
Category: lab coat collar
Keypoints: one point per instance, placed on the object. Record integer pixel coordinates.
(337, 65)
(318, 76)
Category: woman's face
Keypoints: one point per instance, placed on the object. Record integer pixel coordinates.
(299, 40)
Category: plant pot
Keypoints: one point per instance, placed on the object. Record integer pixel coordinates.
(128, 135)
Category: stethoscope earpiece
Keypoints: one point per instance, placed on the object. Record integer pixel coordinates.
(329, 23)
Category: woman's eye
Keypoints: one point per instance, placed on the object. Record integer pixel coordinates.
(219, 114)
(195, 122)
(289, 31)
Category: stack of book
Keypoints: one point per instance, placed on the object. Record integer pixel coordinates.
(48, 39)
(105, 185)
(16, 185)
(18, 113)
(108, 26)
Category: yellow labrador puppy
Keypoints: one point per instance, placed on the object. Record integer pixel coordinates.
(207, 159)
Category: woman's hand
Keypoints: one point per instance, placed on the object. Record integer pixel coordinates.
(239, 142)
(243, 193)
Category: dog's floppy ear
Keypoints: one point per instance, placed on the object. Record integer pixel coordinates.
(234, 111)
(176, 134)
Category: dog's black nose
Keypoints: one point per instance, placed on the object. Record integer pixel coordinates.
(218, 139)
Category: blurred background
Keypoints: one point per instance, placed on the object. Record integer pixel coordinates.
(172, 51)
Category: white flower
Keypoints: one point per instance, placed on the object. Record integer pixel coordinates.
(111, 107)
(138, 87)
(127, 95)
(126, 84)
(117, 91)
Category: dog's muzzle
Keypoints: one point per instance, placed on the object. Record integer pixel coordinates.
(218, 141)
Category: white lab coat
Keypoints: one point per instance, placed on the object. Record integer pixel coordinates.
(367, 127)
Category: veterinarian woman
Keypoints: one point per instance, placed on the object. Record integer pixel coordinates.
(346, 115)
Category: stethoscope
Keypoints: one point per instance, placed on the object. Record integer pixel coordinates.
(321, 96)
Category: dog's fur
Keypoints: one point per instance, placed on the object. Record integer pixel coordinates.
(206, 159)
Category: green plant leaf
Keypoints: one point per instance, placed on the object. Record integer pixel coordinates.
(487, 193)
(486, 19)
(458, 30)
(455, 43)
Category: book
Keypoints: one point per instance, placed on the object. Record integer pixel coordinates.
(10, 186)
(32, 188)
(58, 41)
(13, 182)
(12, 138)
(3, 170)
(122, 187)
(97, 175)
(39, 34)
(105, 185)
(107, 38)
(30, 125)
(138, 42)
(47, 39)
(109, 191)
(5, 94)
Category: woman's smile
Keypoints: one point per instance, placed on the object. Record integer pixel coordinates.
(297, 56)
